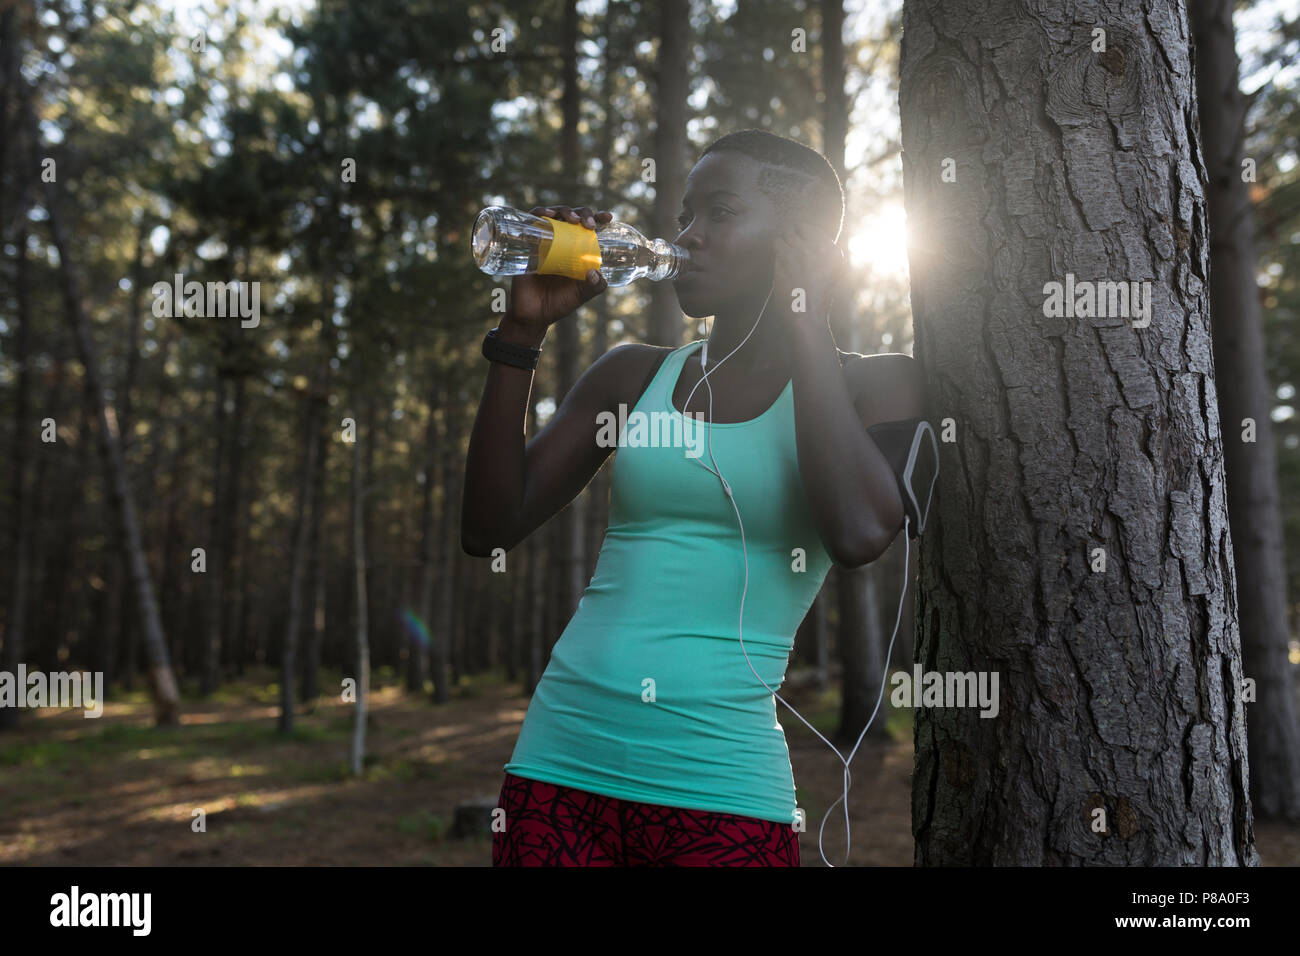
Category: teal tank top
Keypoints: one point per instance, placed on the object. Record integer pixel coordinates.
(647, 695)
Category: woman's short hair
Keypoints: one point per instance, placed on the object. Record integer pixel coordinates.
(800, 181)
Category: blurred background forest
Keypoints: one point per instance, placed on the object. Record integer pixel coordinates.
(336, 153)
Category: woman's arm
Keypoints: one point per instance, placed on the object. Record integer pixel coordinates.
(513, 486)
(850, 485)
(509, 489)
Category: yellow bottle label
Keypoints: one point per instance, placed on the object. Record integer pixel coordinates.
(571, 252)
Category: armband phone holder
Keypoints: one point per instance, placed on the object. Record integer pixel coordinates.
(912, 451)
(920, 473)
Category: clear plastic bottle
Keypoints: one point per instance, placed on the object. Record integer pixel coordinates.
(508, 242)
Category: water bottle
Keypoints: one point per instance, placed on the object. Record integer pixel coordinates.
(508, 242)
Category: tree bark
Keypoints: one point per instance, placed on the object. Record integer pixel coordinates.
(1120, 735)
(1254, 512)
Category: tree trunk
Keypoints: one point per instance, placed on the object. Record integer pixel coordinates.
(672, 79)
(241, 638)
(166, 696)
(596, 510)
(318, 415)
(234, 529)
(374, 593)
(14, 138)
(862, 654)
(176, 557)
(211, 659)
(116, 590)
(1069, 437)
(570, 539)
(16, 623)
(519, 615)
(362, 623)
(316, 409)
(440, 632)
(821, 641)
(535, 608)
(315, 631)
(59, 597)
(431, 530)
(1254, 512)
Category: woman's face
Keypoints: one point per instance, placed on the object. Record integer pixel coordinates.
(728, 226)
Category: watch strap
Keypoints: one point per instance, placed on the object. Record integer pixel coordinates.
(520, 356)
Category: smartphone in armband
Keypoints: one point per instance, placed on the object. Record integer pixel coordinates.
(910, 447)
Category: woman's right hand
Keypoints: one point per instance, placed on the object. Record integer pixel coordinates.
(539, 301)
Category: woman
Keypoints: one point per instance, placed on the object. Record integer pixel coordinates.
(652, 736)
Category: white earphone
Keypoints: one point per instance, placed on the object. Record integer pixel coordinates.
(704, 380)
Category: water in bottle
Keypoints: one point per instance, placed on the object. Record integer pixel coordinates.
(508, 242)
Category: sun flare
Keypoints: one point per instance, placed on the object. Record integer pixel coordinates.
(878, 241)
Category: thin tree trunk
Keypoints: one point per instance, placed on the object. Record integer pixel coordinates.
(1074, 438)
(821, 640)
(16, 624)
(15, 632)
(66, 550)
(1273, 729)
(440, 632)
(861, 653)
(518, 570)
(316, 408)
(176, 559)
(596, 509)
(166, 696)
(430, 535)
(375, 589)
(243, 635)
(317, 420)
(362, 623)
(570, 538)
(535, 549)
(211, 655)
(233, 530)
(315, 630)
(116, 596)
(672, 79)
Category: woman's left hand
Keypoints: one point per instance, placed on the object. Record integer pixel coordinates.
(807, 261)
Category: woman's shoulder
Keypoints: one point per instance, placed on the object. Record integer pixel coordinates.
(629, 367)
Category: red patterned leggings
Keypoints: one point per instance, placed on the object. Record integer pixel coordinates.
(551, 825)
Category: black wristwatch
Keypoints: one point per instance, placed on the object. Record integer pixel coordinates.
(520, 356)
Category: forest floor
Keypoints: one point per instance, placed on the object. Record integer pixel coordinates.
(118, 792)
